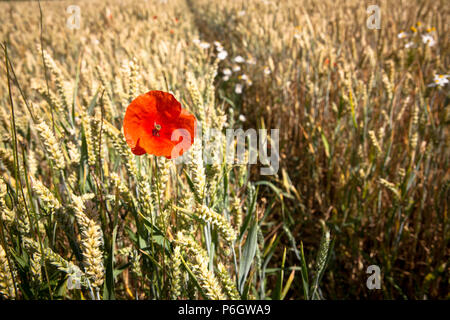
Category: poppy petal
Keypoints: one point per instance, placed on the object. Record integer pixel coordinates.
(166, 104)
(140, 111)
(138, 150)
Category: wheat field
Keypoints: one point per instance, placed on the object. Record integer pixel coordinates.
(363, 176)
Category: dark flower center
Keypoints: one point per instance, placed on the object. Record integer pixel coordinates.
(156, 129)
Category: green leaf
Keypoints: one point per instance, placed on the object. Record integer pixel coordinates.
(192, 275)
(278, 191)
(279, 285)
(192, 187)
(108, 289)
(326, 145)
(248, 255)
(288, 284)
(301, 257)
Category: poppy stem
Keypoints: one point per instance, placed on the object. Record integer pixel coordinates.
(158, 187)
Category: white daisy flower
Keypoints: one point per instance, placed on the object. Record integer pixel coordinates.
(402, 35)
(222, 55)
(409, 45)
(218, 46)
(439, 80)
(428, 40)
(246, 79)
(238, 88)
(226, 78)
(243, 77)
(236, 68)
(239, 59)
(226, 72)
(205, 45)
(242, 118)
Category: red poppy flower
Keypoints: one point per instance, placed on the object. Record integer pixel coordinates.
(155, 123)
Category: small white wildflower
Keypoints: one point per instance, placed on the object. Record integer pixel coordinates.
(218, 46)
(428, 40)
(196, 41)
(205, 45)
(242, 118)
(267, 71)
(246, 79)
(226, 78)
(241, 13)
(402, 35)
(236, 68)
(439, 80)
(409, 45)
(226, 72)
(243, 77)
(238, 88)
(72, 131)
(297, 36)
(239, 59)
(222, 55)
